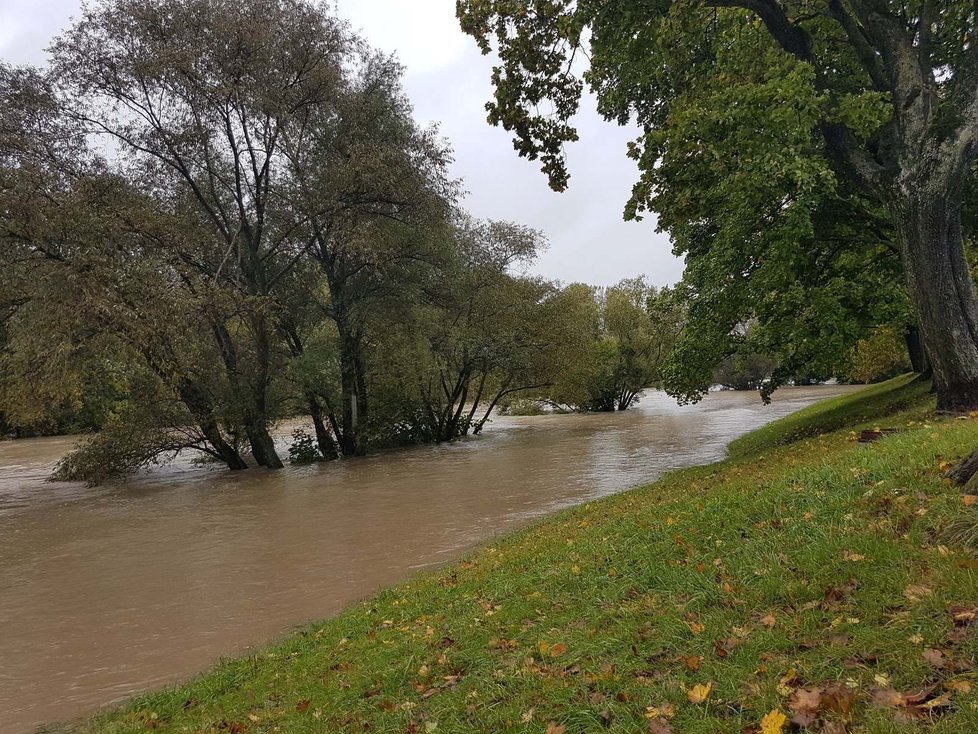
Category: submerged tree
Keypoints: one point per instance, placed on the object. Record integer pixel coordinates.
(195, 95)
(768, 111)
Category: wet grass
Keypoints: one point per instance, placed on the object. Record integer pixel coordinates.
(813, 575)
(868, 404)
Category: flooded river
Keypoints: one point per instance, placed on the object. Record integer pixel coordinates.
(112, 591)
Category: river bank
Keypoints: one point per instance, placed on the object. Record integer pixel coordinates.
(816, 581)
(112, 591)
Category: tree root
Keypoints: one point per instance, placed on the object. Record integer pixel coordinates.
(962, 472)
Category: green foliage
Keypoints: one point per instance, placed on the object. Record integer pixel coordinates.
(140, 436)
(880, 356)
(769, 148)
(304, 449)
(632, 328)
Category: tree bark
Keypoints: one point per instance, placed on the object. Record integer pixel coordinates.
(199, 406)
(327, 446)
(915, 350)
(261, 442)
(928, 219)
(354, 392)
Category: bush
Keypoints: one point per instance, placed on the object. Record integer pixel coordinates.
(304, 448)
(881, 356)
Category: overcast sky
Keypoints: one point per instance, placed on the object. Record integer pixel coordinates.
(448, 80)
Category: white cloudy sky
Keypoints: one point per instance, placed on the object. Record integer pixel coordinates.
(448, 80)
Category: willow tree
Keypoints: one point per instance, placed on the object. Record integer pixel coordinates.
(876, 97)
(371, 189)
(191, 99)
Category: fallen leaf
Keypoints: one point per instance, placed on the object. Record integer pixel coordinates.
(302, 705)
(699, 693)
(887, 698)
(853, 557)
(939, 702)
(805, 699)
(554, 728)
(969, 499)
(557, 650)
(773, 722)
(693, 662)
(958, 686)
(659, 726)
(838, 698)
(769, 621)
(934, 657)
(785, 683)
(963, 614)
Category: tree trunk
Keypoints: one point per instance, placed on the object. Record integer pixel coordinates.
(256, 424)
(928, 219)
(915, 350)
(229, 455)
(327, 446)
(252, 396)
(197, 402)
(353, 392)
(262, 445)
(962, 472)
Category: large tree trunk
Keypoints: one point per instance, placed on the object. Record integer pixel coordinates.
(252, 396)
(261, 442)
(256, 425)
(928, 219)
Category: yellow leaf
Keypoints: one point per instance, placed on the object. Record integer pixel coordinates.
(969, 499)
(699, 693)
(773, 722)
(959, 686)
(557, 650)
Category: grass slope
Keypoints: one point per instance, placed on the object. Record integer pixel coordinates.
(810, 581)
(868, 404)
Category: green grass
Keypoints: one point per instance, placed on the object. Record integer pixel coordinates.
(816, 564)
(866, 405)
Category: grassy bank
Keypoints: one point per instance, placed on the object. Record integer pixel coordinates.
(869, 404)
(810, 582)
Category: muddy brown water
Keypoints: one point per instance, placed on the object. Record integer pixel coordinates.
(112, 591)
